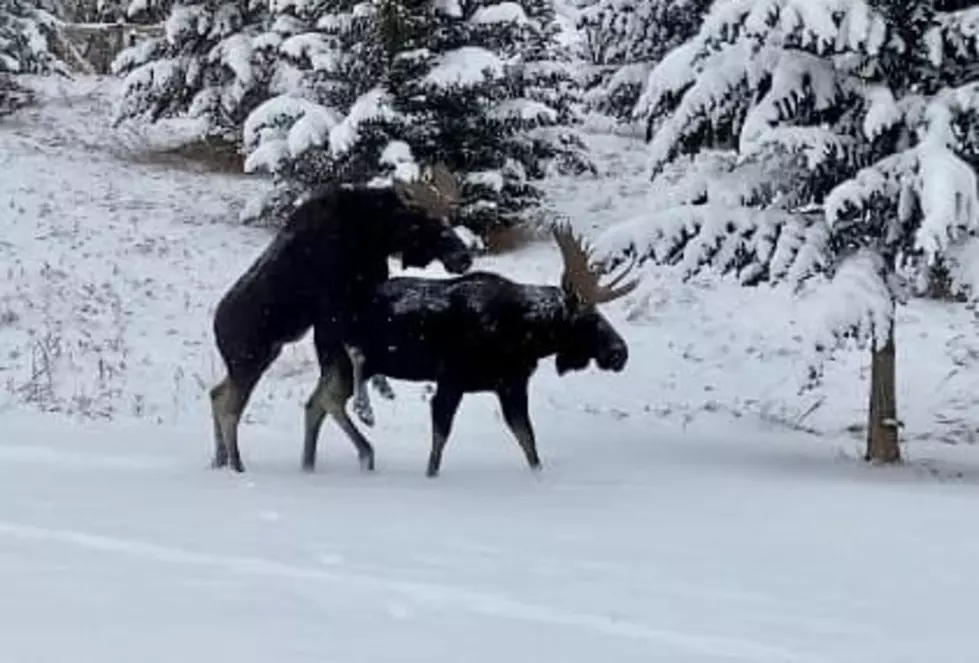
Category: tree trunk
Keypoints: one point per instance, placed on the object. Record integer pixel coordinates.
(882, 423)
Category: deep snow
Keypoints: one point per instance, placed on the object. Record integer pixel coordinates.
(682, 515)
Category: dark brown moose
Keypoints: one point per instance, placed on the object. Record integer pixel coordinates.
(472, 333)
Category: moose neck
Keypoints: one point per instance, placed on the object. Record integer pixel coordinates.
(549, 316)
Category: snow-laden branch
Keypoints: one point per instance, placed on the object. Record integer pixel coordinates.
(797, 77)
(720, 94)
(819, 145)
(946, 187)
(667, 82)
(856, 305)
(927, 189)
(771, 245)
(954, 37)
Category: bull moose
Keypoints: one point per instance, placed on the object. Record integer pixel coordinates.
(472, 333)
(331, 254)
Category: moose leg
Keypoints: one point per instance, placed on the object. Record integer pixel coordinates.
(315, 414)
(361, 401)
(220, 450)
(228, 401)
(445, 404)
(330, 397)
(383, 387)
(514, 403)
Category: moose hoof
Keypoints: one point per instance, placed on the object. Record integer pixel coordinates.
(383, 387)
(364, 412)
(218, 462)
(308, 466)
(367, 463)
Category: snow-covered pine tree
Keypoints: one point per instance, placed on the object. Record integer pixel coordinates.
(385, 83)
(28, 36)
(326, 122)
(548, 75)
(623, 39)
(215, 62)
(27, 29)
(830, 138)
(460, 88)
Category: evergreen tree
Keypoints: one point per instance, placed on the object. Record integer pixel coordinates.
(388, 83)
(623, 39)
(214, 62)
(331, 58)
(27, 32)
(830, 143)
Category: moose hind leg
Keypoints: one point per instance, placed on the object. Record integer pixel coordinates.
(361, 400)
(331, 395)
(315, 414)
(445, 404)
(514, 403)
(220, 449)
(228, 401)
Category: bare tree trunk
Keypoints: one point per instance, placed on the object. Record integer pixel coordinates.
(882, 423)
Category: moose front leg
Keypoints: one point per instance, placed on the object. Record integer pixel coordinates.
(445, 404)
(361, 401)
(514, 403)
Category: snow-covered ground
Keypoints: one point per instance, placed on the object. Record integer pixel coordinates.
(684, 514)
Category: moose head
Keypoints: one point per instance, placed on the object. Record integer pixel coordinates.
(589, 334)
(424, 232)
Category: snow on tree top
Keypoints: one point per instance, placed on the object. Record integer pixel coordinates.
(465, 66)
(504, 12)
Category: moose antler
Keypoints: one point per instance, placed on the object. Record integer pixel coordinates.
(437, 192)
(580, 279)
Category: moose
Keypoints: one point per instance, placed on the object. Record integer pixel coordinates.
(331, 254)
(473, 333)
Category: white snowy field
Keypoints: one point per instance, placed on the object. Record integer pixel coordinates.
(685, 514)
